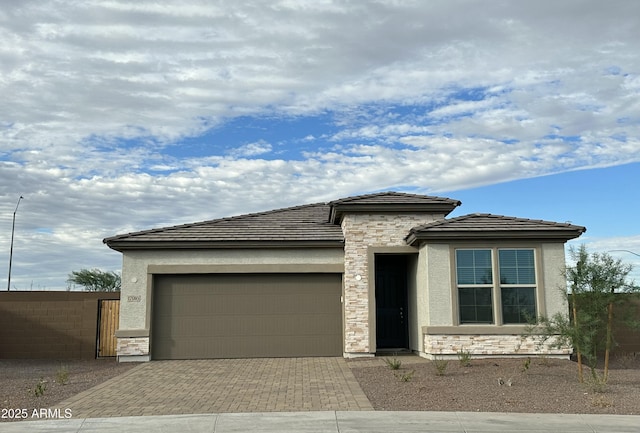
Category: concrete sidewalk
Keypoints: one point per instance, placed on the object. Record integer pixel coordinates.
(340, 422)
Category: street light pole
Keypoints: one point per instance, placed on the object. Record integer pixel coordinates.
(13, 229)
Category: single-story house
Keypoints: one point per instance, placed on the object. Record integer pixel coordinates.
(359, 276)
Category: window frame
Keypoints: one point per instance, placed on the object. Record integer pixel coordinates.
(496, 285)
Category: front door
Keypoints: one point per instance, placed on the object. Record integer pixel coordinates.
(392, 330)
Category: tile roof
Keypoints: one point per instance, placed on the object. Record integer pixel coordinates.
(486, 226)
(306, 224)
(391, 197)
(317, 225)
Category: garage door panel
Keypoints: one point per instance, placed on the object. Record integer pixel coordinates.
(315, 324)
(239, 347)
(228, 316)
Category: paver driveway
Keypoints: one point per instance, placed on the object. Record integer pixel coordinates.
(224, 385)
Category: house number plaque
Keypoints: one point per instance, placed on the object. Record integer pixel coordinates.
(134, 298)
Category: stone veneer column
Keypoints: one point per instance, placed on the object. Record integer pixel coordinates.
(362, 231)
(133, 349)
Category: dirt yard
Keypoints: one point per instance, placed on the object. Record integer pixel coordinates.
(41, 383)
(489, 385)
(500, 385)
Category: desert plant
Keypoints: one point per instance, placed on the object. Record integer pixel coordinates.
(526, 364)
(40, 388)
(597, 383)
(441, 366)
(595, 282)
(464, 357)
(545, 360)
(62, 375)
(393, 363)
(602, 401)
(406, 376)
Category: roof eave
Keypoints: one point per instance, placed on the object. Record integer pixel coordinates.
(199, 245)
(550, 235)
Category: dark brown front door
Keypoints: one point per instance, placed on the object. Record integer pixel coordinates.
(392, 330)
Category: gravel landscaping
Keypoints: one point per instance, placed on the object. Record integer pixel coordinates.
(41, 383)
(500, 385)
(486, 385)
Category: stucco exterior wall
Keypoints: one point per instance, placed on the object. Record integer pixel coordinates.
(555, 284)
(136, 288)
(362, 232)
(437, 285)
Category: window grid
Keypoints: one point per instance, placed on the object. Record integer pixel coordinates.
(512, 294)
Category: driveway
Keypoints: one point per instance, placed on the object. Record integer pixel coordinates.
(224, 385)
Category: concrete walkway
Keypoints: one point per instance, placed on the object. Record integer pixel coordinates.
(222, 386)
(341, 422)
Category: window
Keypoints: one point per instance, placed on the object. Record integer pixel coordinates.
(517, 285)
(514, 290)
(475, 284)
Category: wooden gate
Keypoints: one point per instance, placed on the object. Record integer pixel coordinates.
(107, 325)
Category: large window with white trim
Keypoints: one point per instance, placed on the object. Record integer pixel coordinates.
(480, 294)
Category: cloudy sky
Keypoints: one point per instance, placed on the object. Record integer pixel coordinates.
(117, 116)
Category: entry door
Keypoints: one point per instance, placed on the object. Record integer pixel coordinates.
(392, 330)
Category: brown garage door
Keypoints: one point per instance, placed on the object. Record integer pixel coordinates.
(246, 316)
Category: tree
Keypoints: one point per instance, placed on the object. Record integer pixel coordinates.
(95, 280)
(595, 282)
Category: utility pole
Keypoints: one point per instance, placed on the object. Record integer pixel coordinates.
(13, 229)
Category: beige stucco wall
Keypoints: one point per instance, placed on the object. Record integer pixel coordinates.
(437, 308)
(138, 265)
(363, 234)
(555, 284)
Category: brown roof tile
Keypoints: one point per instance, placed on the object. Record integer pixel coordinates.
(486, 226)
(391, 197)
(306, 224)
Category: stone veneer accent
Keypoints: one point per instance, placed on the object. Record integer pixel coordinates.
(489, 345)
(137, 346)
(362, 231)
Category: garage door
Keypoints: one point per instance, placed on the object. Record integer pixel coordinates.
(246, 316)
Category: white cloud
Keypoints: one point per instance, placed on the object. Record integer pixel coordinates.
(99, 97)
(253, 149)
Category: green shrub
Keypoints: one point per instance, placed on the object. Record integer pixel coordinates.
(394, 363)
(464, 357)
(440, 365)
(62, 375)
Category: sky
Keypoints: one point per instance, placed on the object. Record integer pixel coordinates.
(119, 116)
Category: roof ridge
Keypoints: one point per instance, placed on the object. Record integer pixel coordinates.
(387, 193)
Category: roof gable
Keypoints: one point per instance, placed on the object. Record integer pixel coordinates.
(391, 202)
(489, 226)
